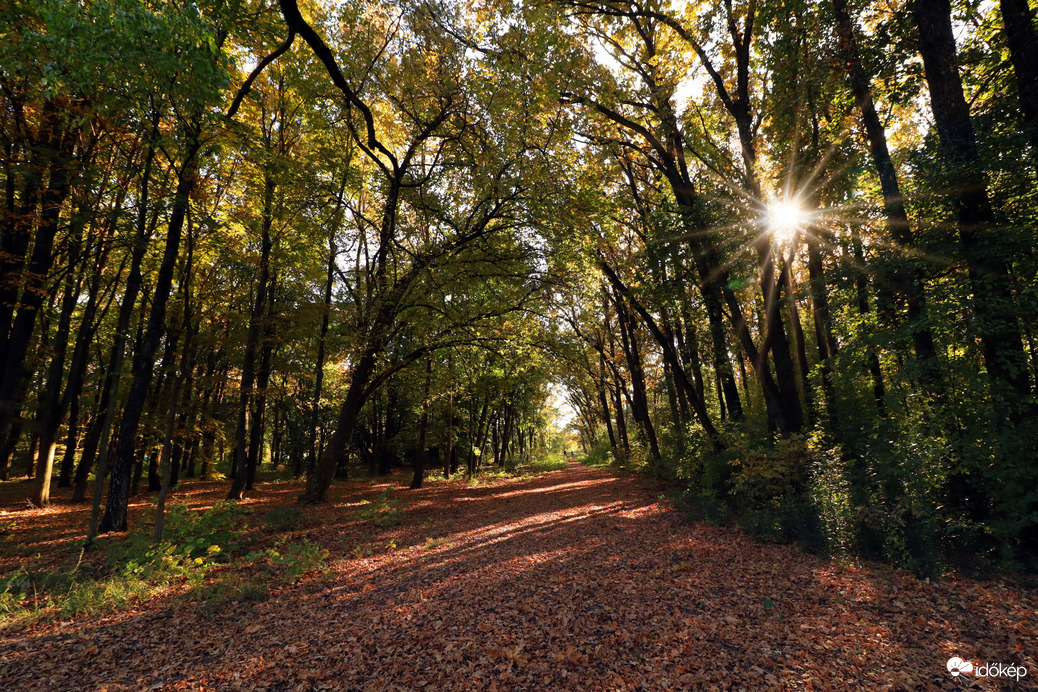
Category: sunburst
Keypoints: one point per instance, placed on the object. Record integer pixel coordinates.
(784, 218)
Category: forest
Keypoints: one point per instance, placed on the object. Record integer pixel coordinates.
(777, 255)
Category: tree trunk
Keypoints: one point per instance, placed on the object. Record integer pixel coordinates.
(600, 387)
(798, 335)
(669, 354)
(335, 450)
(879, 390)
(907, 276)
(1022, 38)
(144, 361)
(240, 463)
(423, 431)
(51, 410)
(186, 366)
(986, 258)
(99, 432)
(16, 344)
(259, 409)
(640, 409)
(315, 407)
(821, 316)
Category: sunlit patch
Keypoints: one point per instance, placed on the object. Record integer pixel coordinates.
(557, 487)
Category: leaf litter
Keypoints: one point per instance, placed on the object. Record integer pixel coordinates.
(577, 579)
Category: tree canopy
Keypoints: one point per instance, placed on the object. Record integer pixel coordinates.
(783, 252)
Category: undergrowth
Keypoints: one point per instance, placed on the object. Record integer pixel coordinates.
(549, 462)
(381, 511)
(195, 544)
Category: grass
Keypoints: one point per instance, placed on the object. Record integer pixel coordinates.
(133, 568)
(552, 462)
(213, 552)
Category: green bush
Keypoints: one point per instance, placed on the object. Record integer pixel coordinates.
(830, 493)
(550, 462)
(294, 562)
(192, 543)
(136, 567)
(703, 506)
(13, 592)
(381, 511)
(600, 455)
(281, 519)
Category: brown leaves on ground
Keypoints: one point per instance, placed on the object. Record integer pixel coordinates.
(573, 580)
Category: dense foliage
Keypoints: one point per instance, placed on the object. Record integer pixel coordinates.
(781, 251)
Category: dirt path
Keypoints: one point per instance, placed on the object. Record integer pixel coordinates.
(573, 580)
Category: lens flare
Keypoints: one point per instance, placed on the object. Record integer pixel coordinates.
(784, 218)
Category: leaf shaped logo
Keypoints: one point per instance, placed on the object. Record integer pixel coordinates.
(957, 666)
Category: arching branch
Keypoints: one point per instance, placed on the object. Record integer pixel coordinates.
(247, 86)
(294, 20)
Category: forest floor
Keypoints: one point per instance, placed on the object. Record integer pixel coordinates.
(576, 579)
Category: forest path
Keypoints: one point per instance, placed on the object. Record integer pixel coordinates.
(577, 579)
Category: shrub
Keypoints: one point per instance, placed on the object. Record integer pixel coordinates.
(703, 506)
(381, 511)
(830, 493)
(552, 461)
(13, 592)
(600, 455)
(281, 519)
(298, 559)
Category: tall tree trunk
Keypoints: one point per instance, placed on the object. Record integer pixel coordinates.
(821, 316)
(51, 412)
(99, 432)
(640, 409)
(77, 375)
(1018, 19)
(798, 334)
(423, 431)
(335, 450)
(986, 258)
(16, 344)
(144, 361)
(315, 406)
(785, 409)
(907, 276)
(185, 368)
(669, 353)
(448, 462)
(712, 299)
(600, 387)
(240, 468)
(152, 412)
(259, 408)
(879, 390)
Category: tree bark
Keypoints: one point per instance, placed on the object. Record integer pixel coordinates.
(1022, 38)
(99, 432)
(423, 431)
(907, 276)
(16, 343)
(240, 468)
(51, 413)
(315, 406)
(640, 409)
(144, 361)
(993, 301)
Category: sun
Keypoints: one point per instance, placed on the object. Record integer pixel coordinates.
(784, 217)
